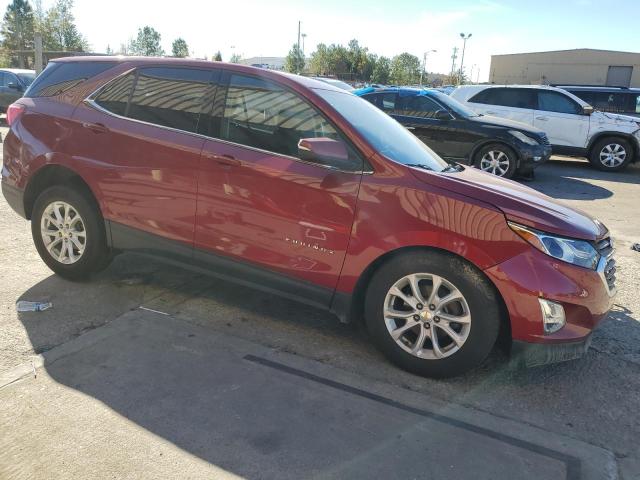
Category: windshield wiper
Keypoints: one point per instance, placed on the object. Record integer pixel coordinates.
(419, 165)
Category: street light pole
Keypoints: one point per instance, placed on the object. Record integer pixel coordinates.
(304, 35)
(464, 45)
(424, 64)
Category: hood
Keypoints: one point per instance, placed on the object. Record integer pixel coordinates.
(615, 119)
(505, 122)
(519, 203)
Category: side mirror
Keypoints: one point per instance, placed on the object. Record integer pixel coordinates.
(442, 115)
(587, 109)
(14, 85)
(325, 151)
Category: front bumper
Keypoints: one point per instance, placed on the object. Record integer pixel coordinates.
(537, 354)
(584, 294)
(532, 156)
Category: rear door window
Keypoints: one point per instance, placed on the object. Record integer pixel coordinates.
(261, 114)
(59, 77)
(385, 100)
(507, 97)
(549, 101)
(171, 97)
(417, 106)
(114, 97)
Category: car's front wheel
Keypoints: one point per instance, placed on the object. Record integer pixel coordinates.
(432, 313)
(497, 159)
(611, 154)
(68, 232)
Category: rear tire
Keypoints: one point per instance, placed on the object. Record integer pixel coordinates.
(611, 154)
(69, 234)
(497, 159)
(478, 313)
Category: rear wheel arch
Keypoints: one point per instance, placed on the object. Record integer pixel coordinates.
(356, 307)
(50, 175)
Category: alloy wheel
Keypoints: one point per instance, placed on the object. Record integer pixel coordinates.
(427, 316)
(613, 155)
(63, 232)
(496, 162)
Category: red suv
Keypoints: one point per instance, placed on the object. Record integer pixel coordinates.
(301, 189)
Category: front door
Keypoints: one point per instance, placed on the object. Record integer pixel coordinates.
(562, 119)
(139, 139)
(258, 203)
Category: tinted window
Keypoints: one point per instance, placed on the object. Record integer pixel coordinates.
(115, 96)
(2, 84)
(385, 101)
(260, 114)
(7, 78)
(417, 106)
(382, 132)
(171, 97)
(507, 97)
(556, 102)
(59, 77)
(616, 102)
(27, 78)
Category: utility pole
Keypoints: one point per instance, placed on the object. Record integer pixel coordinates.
(464, 45)
(304, 35)
(297, 63)
(424, 64)
(453, 62)
(38, 52)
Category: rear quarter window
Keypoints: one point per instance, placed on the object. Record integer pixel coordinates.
(59, 77)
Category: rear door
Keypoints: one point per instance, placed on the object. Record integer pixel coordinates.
(259, 203)
(506, 102)
(137, 139)
(562, 118)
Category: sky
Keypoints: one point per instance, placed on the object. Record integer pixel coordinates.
(255, 28)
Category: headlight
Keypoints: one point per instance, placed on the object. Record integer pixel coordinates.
(577, 252)
(524, 138)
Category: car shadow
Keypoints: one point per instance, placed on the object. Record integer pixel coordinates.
(577, 179)
(216, 305)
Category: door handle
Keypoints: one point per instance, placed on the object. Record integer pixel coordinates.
(95, 127)
(544, 119)
(410, 128)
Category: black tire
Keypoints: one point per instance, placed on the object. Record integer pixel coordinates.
(96, 255)
(600, 148)
(499, 148)
(480, 295)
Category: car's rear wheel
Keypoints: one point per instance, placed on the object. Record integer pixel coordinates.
(611, 154)
(432, 313)
(69, 233)
(497, 159)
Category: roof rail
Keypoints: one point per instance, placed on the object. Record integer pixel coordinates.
(560, 85)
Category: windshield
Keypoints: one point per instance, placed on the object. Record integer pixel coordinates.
(386, 135)
(27, 78)
(453, 104)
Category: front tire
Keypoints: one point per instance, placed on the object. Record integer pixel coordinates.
(611, 154)
(69, 233)
(432, 314)
(497, 159)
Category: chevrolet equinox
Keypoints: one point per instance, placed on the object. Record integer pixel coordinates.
(301, 189)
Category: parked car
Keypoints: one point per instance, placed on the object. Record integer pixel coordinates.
(294, 187)
(621, 100)
(13, 83)
(456, 133)
(336, 83)
(609, 141)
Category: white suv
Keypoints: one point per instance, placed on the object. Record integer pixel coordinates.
(608, 140)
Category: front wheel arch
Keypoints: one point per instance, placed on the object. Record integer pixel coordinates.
(635, 148)
(354, 311)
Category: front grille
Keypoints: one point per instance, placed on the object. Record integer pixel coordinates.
(605, 249)
(545, 139)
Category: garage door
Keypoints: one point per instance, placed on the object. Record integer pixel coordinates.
(619, 76)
